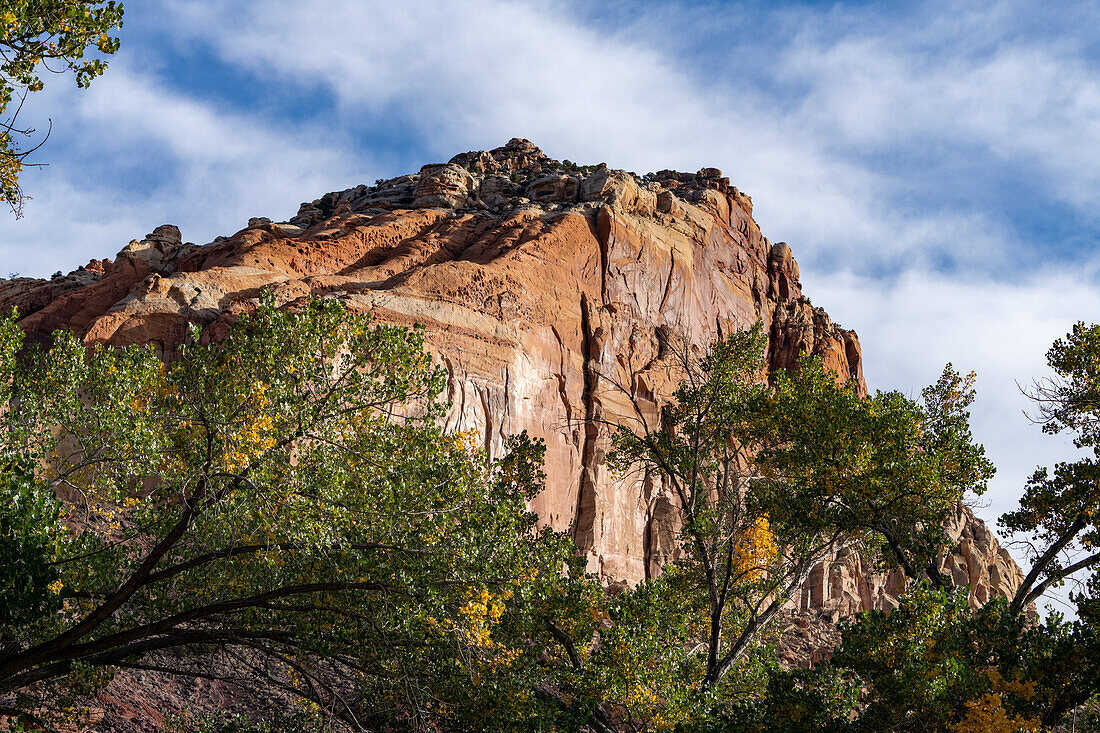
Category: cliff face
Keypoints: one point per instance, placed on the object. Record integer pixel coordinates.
(544, 288)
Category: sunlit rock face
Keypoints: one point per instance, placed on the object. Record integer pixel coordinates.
(545, 289)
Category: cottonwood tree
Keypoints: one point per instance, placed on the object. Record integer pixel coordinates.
(280, 508)
(769, 478)
(938, 664)
(52, 36)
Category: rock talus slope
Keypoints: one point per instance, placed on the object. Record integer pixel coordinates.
(545, 289)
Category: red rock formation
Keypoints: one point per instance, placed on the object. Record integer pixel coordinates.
(542, 286)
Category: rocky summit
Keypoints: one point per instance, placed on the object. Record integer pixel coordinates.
(545, 288)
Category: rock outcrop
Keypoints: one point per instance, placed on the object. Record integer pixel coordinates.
(846, 584)
(545, 288)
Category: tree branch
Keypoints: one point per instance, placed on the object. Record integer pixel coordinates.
(1043, 562)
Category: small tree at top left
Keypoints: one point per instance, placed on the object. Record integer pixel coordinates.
(54, 35)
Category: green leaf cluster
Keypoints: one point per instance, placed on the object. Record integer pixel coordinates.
(58, 36)
(934, 663)
(284, 499)
(30, 530)
(884, 470)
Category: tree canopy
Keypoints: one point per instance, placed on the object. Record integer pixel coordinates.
(1059, 513)
(45, 36)
(283, 501)
(937, 664)
(282, 509)
(769, 478)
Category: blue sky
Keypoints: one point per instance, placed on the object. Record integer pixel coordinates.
(935, 167)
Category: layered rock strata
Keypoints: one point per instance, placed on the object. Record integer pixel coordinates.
(546, 289)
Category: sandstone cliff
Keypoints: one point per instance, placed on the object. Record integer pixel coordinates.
(542, 285)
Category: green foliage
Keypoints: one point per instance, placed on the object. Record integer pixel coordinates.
(1087, 718)
(883, 469)
(644, 667)
(935, 664)
(54, 35)
(1088, 602)
(1073, 401)
(30, 527)
(30, 530)
(914, 660)
(285, 501)
(818, 700)
(286, 494)
(703, 446)
(280, 723)
(770, 478)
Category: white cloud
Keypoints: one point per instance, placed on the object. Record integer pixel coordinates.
(199, 167)
(456, 76)
(460, 76)
(1033, 102)
(471, 75)
(913, 325)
